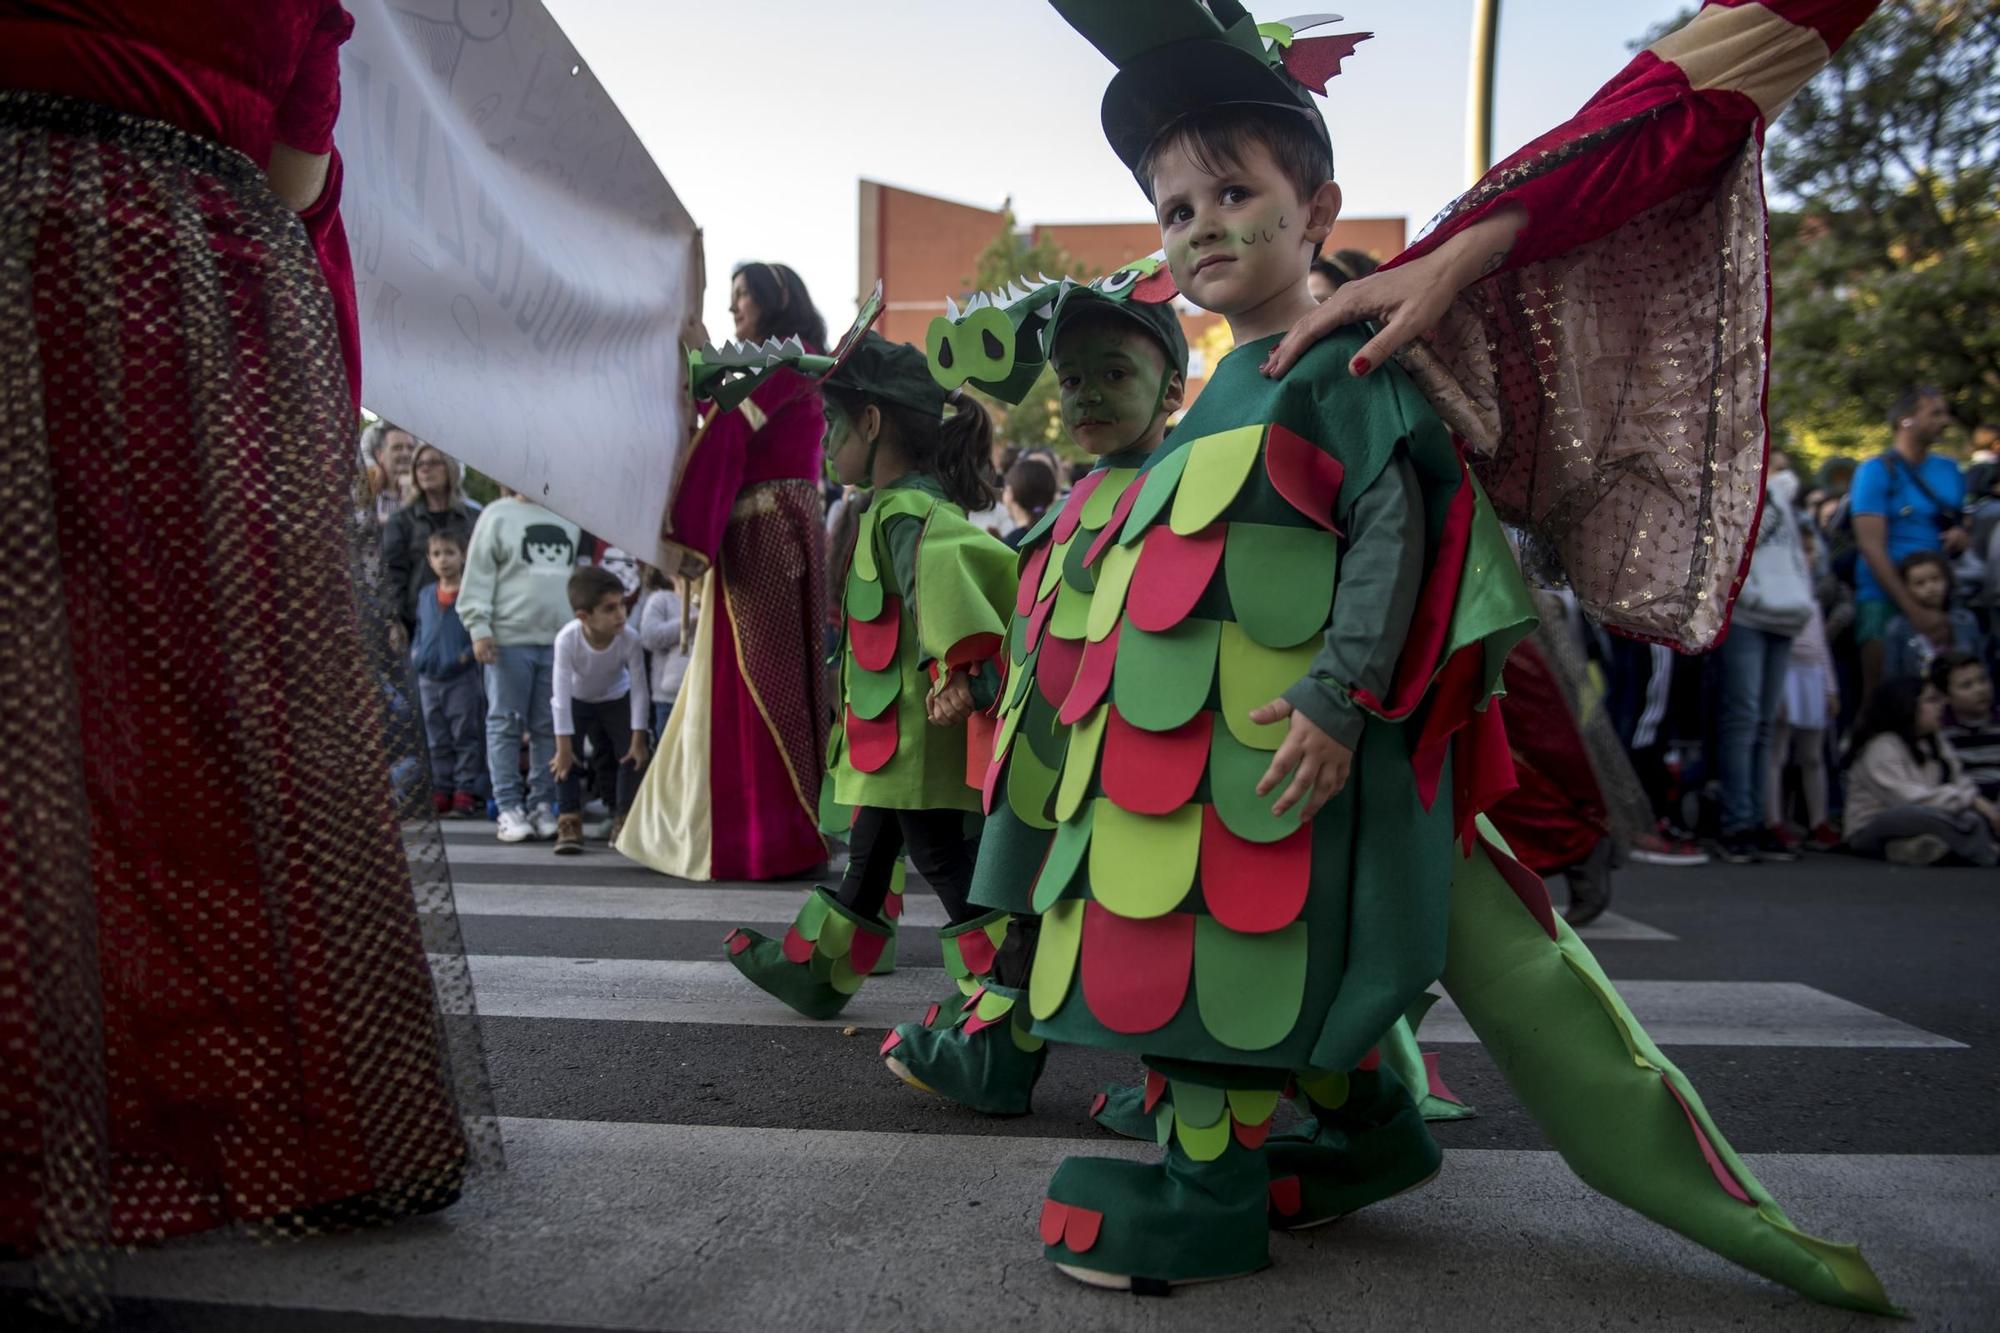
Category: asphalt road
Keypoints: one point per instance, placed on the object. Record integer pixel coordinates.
(682, 1157)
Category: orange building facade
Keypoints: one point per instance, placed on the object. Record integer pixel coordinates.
(923, 249)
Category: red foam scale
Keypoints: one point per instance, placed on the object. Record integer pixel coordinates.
(1135, 973)
(1154, 772)
(975, 947)
(1050, 1225)
(1031, 579)
(866, 951)
(1172, 574)
(1072, 512)
(972, 648)
(871, 742)
(1055, 669)
(991, 785)
(890, 1042)
(737, 942)
(1308, 477)
(1038, 619)
(1097, 1104)
(1371, 1061)
(1716, 1166)
(1156, 1088)
(1438, 1088)
(1252, 1136)
(798, 948)
(875, 640)
(1253, 887)
(1285, 1195)
(1093, 678)
(1081, 1229)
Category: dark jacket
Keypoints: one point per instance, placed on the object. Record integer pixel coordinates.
(406, 537)
(441, 648)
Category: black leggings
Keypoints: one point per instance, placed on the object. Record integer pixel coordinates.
(938, 849)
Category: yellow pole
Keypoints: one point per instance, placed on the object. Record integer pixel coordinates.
(1479, 98)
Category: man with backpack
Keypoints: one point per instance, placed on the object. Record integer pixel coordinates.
(1905, 501)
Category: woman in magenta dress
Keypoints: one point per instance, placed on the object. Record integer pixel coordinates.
(734, 792)
(215, 1004)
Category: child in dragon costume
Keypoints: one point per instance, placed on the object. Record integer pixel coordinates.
(1306, 596)
(1120, 360)
(926, 597)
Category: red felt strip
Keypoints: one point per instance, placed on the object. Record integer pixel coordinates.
(1135, 973)
(798, 948)
(1720, 1170)
(990, 787)
(972, 1000)
(1031, 578)
(972, 648)
(978, 1024)
(1038, 618)
(1308, 477)
(1253, 887)
(875, 640)
(871, 742)
(1432, 620)
(980, 731)
(1155, 772)
(975, 948)
(1527, 886)
(931, 1014)
(1285, 1195)
(1172, 574)
(892, 906)
(890, 1042)
(1252, 1136)
(1436, 1081)
(1072, 512)
(1080, 1232)
(866, 951)
(1093, 678)
(1054, 1215)
(1482, 769)
(1097, 1104)
(1119, 513)
(1156, 1088)
(1055, 669)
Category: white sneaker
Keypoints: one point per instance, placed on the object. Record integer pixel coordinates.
(515, 826)
(544, 822)
(597, 828)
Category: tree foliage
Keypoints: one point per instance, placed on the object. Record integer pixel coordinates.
(1037, 421)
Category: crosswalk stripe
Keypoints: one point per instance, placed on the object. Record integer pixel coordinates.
(664, 902)
(676, 1227)
(1683, 1013)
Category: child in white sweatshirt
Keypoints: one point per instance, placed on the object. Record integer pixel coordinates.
(600, 694)
(1908, 800)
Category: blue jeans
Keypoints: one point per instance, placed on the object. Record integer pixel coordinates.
(519, 688)
(1754, 662)
(660, 715)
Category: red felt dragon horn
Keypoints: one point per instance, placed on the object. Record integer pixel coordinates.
(1314, 60)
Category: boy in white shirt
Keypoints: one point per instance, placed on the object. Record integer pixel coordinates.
(600, 693)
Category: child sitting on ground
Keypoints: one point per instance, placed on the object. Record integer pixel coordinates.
(1908, 799)
(1905, 652)
(452, 693)
(600, 695)
(1969, 721)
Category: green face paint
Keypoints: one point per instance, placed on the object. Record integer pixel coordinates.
(1113, 382)
(842, 450)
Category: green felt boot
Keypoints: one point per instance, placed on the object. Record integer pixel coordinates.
(1366, 1142)
(823, 959)
(1196, 1215)
(984, 1059)
(1123, 1109)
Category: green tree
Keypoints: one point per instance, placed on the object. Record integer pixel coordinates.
(1884, 175)
(1037, 420)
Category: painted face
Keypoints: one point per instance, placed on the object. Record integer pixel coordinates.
(1112, 380)
(446, 560)
(1971, 693)
(844, 448)
(743, 308)
(605, 621)
(1930, 711)
(1233, 240)
(1928, 585)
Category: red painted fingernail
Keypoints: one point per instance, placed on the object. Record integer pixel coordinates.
(1361, 365)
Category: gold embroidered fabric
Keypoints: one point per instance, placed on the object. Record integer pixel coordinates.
(232, 988)
(1615, 394)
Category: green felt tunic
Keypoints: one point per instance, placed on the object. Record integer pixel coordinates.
(924, 586)
(1277, 545)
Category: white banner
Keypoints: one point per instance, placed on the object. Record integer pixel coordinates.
(523, 268)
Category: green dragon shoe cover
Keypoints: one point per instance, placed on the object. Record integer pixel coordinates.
(822, 961)
(1623, 1117)
(969, 948)
(1365, 1142)
(1123, 1109)
(1417, 1068)
(892, 912)
(984, 1059)
(1197, 1214)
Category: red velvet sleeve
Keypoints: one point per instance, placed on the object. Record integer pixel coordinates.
(305, 121)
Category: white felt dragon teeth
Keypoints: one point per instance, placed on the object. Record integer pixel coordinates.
(951, 310)
(1305, 21)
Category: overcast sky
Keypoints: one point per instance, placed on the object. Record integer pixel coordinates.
(764, 113)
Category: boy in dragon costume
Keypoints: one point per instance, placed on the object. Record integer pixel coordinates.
(1307, 597)
(926, 597)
